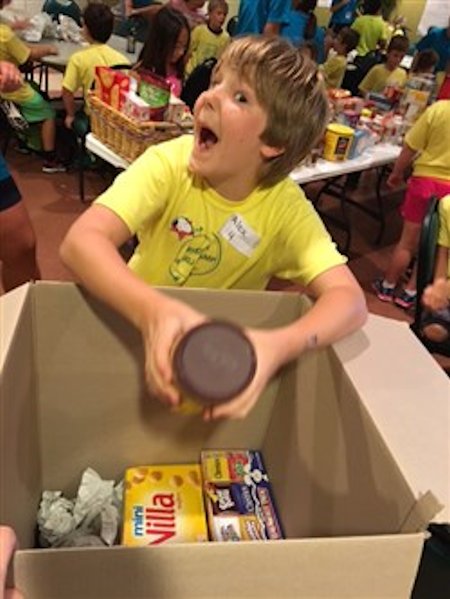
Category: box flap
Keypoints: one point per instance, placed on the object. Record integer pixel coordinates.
(11, 306)
(313, 568)
(408, 397)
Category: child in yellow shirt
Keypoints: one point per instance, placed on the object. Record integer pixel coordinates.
(390, 73)
(98, 22)
(34, 108)
(218, 209)
(426, 146)
(208, 39)
(334, 67)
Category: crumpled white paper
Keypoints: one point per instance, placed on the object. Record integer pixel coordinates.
(68, 29)
(35, 30)
(91, 519)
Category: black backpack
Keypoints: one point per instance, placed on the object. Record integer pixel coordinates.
(357, 70)
(197, 82)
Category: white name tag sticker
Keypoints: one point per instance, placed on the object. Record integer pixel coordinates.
(240, 235)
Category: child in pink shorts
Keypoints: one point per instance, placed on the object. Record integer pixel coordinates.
(426, 146)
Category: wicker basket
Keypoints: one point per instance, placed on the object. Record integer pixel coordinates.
(128, 138)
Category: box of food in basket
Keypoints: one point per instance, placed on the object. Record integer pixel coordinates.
(132, 129)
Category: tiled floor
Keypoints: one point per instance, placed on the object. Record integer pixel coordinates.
(54, 204)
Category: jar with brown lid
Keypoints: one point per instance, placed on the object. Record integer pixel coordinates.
(213, 362)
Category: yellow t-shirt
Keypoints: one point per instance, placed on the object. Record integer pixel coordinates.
(205, 44)
(14, 50)
(80, 70)
(379, 77)
(372, 29)
(430, 136)
(191, 236)
(334, 70)
(444, 226)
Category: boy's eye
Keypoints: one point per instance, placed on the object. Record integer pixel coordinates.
(240, 97)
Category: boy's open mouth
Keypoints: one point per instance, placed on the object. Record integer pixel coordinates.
(207, 138)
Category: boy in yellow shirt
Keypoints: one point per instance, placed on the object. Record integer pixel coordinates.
(218, 209)
(98, 22)
(30, 102)
(208, 39)
(426, 146)
(334, 67)
(389, 73)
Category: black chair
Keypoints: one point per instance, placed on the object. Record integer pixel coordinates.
(426, 258)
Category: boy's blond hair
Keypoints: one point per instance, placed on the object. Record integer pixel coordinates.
(290, 89)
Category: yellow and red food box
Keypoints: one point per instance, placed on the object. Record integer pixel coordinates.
(163, 504)
(111, 85)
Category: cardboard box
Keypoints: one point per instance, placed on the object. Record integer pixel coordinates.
(355, 439)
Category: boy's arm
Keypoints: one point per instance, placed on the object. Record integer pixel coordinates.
(340, 308)
(403, 162)
(90, 250)
(338, 6)
(69, 107)
(37, 52)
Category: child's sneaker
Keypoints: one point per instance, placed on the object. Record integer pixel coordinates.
(405, 300)
(51, 166)
(22, 147)
(383, 292)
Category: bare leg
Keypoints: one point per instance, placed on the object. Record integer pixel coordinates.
(17, 247)
(403, 252)
(48, 134)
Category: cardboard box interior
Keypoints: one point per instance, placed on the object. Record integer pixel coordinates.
(73, 396)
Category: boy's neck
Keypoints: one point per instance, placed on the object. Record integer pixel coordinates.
(233, 191)
(215, 30)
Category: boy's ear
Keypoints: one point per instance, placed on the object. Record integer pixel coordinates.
(268, 152)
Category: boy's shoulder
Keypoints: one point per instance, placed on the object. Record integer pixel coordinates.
(440, 109)
(6, 33)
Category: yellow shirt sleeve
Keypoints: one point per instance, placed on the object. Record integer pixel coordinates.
(333, 71)
(12, 48)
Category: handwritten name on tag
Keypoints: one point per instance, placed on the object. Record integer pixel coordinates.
(240, 235)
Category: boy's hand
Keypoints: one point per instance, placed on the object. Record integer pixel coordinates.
(10, 77)
(8, 545)
(163, 327)
(437, 295)
(394, 180)
(52, 50)
(20, 24)
(269, 356)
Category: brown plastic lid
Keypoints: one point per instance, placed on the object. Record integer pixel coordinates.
(214, 362)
